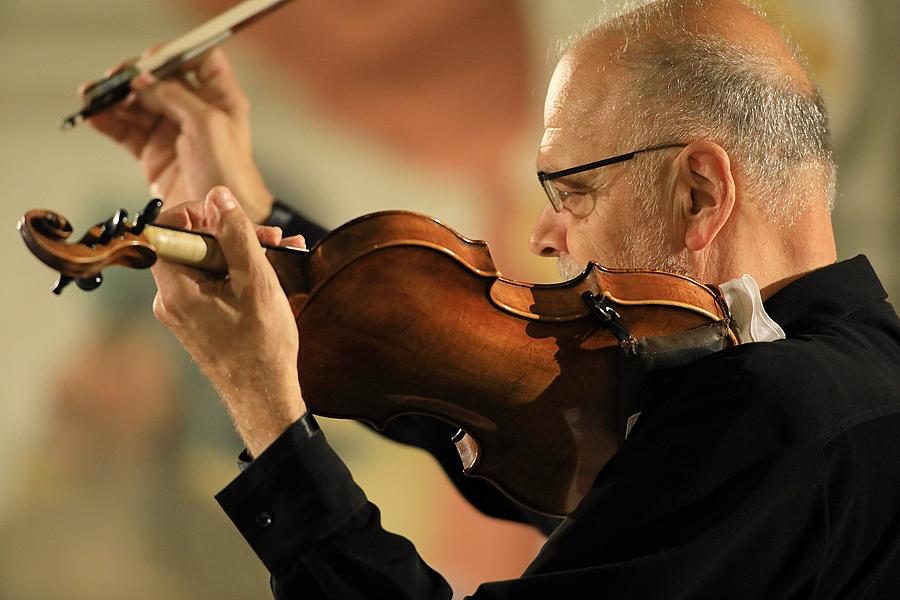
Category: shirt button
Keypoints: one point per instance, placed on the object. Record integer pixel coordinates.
(263, 520)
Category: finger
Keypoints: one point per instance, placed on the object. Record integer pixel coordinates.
(235, 233)
(172, 99)
(106, 124)
(269, 236)
(83, 88)
(189, 216)
(126, 123)
(294, 241)
(120, 128)
(192, 81)
(218, 84)
(166, 178)
(179, 291)
(176, 216)
(130, 111)
(118, 67)
(177, 285)
(113, 126)
(127, 126)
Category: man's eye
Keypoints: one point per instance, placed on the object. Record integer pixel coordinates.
(568, 198)
(579, 204)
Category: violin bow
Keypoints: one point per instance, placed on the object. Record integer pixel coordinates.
(169, 59)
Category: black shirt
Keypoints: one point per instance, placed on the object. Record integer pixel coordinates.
(769, 470)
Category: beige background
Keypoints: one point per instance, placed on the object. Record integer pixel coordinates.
(48, 47)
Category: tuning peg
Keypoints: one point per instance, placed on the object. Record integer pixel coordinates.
(90, 283)
(113, 228)
(61, 282)
(85, 283)
(146, 216)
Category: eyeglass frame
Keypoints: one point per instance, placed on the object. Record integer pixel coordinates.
(545, 178)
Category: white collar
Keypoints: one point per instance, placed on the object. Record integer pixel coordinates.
(751, 323)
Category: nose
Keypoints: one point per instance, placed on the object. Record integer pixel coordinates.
(548, 236)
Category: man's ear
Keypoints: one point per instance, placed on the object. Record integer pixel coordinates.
(704, 192)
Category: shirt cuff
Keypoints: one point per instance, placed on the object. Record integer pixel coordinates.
(294, 495)
(301, 430)
(292, 223)
(281, 215)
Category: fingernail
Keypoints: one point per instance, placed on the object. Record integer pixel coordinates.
(224, 200)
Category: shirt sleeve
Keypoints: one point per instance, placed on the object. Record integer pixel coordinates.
(313, 528)
(292, 222)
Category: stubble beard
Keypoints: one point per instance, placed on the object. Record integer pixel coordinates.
(644, 247)
(568, 268)
(647, 248)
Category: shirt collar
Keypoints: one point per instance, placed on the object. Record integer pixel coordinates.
(826, 294)
(750, 321)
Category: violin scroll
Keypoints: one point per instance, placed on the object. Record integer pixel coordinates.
(114, 241)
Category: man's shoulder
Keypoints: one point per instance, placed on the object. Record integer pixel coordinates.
(783, 407)
(824, 381)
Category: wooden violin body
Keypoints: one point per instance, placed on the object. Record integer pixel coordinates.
(398, 314)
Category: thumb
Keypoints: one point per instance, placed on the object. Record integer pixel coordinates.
(234, 231)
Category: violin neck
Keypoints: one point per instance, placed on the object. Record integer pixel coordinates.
(199, 250)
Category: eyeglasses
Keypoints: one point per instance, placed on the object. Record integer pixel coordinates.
(580, 204)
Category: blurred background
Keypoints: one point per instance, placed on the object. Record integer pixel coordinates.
(114, 444)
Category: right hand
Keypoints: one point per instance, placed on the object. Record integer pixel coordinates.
(188, 139)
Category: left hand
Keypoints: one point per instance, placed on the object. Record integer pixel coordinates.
(240, 330)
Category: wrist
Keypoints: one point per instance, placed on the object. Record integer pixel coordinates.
(261, 413)
(260, 432)
(259, 202)
(303, 429)
(260, 210)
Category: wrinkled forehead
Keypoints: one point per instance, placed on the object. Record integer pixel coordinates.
(585, 99)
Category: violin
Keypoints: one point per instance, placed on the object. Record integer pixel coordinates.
(399, 314)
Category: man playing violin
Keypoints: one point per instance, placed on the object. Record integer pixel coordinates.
(683, 136)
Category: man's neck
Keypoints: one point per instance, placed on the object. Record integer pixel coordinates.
(774, 255)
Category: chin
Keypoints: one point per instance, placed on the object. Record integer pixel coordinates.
(569, 268)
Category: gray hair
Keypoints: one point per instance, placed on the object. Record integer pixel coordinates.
(687, 86)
